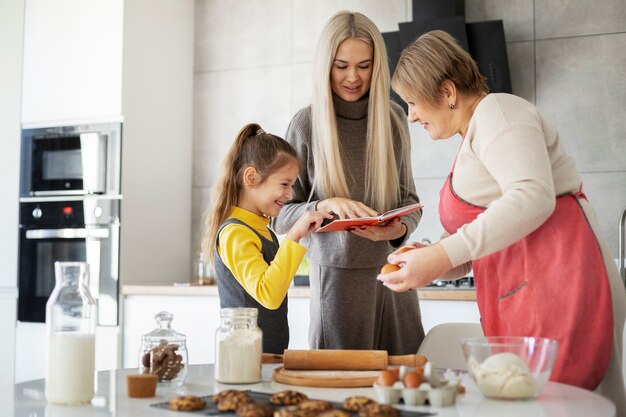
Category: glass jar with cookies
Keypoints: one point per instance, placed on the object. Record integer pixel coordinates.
(164, 353)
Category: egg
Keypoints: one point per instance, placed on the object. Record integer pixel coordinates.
(386, 378)
(404, 249)
(413, 380)
(387, 268)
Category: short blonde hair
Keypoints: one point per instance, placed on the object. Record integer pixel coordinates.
(432, 59)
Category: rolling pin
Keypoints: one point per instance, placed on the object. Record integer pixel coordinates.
(344, 360)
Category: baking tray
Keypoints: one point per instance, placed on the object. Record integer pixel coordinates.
(264, 398)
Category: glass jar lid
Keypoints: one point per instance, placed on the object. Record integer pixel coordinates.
(164, 330)
(239, 312)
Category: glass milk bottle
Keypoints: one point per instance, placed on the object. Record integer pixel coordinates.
(71, 331)
(238, 347)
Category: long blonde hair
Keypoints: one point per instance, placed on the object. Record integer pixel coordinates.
(252, 148)
(382, 190)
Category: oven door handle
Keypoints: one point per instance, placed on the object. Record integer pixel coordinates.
(98, 233)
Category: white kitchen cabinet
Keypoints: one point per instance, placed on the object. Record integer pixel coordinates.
(72, 60)
(197, 317)
(8, 309)
(435, 312)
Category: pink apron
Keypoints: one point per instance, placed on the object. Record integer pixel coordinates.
(552, 283)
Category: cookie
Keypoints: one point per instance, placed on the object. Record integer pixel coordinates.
(223, 394)
(163, 361)
(288, 397)
(315, 405)
(356, 403)
(233, 401)
(187, 403)
(255, 410)
(334, 413)
(378, 410)
(294, 411)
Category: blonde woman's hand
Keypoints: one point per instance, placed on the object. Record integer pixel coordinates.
(392, 230)
(417, 268)
(345, 208)
(309, 221)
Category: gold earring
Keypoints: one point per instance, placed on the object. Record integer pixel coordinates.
(452, 106)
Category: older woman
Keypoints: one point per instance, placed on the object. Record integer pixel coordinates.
(514, 209)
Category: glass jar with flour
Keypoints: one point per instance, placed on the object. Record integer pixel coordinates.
(238, 347)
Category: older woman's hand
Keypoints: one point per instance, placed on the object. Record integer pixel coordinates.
(418, 267)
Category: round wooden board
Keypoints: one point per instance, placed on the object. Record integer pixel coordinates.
(325, 379)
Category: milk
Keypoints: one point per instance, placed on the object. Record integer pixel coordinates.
(71, 366)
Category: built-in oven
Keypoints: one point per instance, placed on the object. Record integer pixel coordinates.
(80, 159)
(69, 229)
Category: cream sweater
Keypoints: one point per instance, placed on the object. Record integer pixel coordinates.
(512, 163)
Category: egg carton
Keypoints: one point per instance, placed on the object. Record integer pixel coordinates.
(440, 392)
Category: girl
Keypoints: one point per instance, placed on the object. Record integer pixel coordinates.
(252, 269)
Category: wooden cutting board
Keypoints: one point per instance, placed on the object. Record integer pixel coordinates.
(325, 379)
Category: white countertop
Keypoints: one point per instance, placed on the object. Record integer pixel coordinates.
(294, 292)
(27, 399)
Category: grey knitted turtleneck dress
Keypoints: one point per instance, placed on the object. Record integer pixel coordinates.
(350, 309)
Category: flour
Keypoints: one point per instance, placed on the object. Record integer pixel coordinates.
(238, 357)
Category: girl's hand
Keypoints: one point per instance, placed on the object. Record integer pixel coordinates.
(345, 208)
(392, 230)
(310, 220)
(417, 268)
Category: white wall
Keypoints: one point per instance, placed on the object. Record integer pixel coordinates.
(11, 34)
(157, 137)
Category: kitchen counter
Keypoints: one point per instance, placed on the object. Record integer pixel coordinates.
(294, 292)
(28, 399)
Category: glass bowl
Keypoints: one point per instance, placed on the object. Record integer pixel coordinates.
(509, 367)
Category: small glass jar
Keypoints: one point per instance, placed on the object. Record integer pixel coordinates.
(238, 347)
(71, 331)
(164, 353)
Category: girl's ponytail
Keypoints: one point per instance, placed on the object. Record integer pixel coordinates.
(225, 192)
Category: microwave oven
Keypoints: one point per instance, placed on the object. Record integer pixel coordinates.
(80, 159)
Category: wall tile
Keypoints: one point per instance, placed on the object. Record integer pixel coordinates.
(225, 101)
(242, 33)
(310, 17)
(606, 193)
(199, 205)
(581, 88)
(301, 86)
(522, 69)
(517, 16)
(429, 227)
(431, 158)
(578, 17)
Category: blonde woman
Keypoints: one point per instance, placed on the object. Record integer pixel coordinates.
(353, 147)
